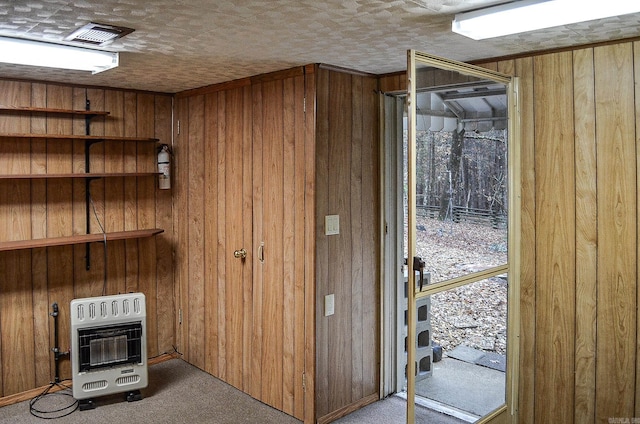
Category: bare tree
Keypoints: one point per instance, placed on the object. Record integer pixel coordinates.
(457, 145)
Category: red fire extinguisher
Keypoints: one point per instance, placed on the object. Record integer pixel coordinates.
(164, 168)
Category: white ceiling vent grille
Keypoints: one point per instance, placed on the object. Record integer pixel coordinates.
(98, 34)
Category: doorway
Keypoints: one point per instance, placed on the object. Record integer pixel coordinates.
(453, 213)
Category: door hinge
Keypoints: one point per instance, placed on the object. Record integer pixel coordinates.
(179, 316)
(304, 104)
(178, 127)
(304, 383)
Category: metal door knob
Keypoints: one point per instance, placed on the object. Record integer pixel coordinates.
(240, 254)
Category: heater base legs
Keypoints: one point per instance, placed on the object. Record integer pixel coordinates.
(133, 396)
(85, 404)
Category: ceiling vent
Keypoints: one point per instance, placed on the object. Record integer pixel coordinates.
(97, 34)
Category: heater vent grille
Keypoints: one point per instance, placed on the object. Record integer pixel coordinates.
(98, 34)
(129, 379)
(94, 385)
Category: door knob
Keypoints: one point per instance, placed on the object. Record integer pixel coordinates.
(240, 254)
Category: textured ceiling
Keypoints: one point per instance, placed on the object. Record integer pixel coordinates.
(183, 44)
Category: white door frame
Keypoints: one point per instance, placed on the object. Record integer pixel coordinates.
(392, 270)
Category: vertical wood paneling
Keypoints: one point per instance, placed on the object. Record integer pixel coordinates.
(602, 323)
(166, 305)
(212, 319)
(255, 389)
(59, 212)
(234, 240)
(555, 253)
(255, 187)
(617, 226)
(94, 278)
(17, 354)
(250, 265)
(340, 347)
(288, 245)
(636, 68)
(44, 361)
(195, 216)
(310, 238)
(130, 119)
(323, 284)
(586, 236)
(34, 279)
(298, 179)
(114, 191)
(222, 233)
(181, 154)
(273, 214)
(526, 408)
(355, 280)
(16, 348)
(146, 204)
(392, 83)
(369, 238)
(347, 343)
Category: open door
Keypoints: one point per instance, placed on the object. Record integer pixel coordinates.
(462, 185)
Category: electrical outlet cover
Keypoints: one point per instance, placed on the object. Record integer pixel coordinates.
(331, 225)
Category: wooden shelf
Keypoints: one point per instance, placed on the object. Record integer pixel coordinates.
(12, 109)
(79, 175)
(88, 140)
(80, 137)
(78, 239)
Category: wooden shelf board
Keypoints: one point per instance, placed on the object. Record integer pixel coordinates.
(78, 239)
(28, 109)
(52, 110)
(78, 175)
(80, 137)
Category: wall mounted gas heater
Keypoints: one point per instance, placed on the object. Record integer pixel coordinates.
(108, 347)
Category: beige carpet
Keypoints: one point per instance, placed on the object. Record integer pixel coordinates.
(181, 393)
(177, 393)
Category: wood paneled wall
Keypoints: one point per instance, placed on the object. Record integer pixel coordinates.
(246, 180)
(31, 280)
(579, 356)
(347, 265)
(579, 299)
(238, 188)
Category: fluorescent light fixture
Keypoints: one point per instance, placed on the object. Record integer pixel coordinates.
(36, 53)
(529, 15)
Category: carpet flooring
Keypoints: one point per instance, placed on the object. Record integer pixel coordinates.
(181, 393)
(177, 393)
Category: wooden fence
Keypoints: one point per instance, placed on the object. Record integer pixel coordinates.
(460, 214)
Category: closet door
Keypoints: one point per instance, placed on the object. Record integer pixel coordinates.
(214, 220)
(241, 190)
(233, 277)
(279, 243)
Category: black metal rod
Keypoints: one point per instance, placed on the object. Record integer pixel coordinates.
(56, 348)
(87, 184)
(87, 119)
(87, 194)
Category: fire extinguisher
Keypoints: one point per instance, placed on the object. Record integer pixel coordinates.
(164, 168)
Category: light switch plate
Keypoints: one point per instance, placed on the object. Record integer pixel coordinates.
(329, 305)
(331, 225)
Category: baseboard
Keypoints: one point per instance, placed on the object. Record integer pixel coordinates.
(30, 394)
(346, 410)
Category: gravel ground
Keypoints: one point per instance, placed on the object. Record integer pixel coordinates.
(474, 315)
